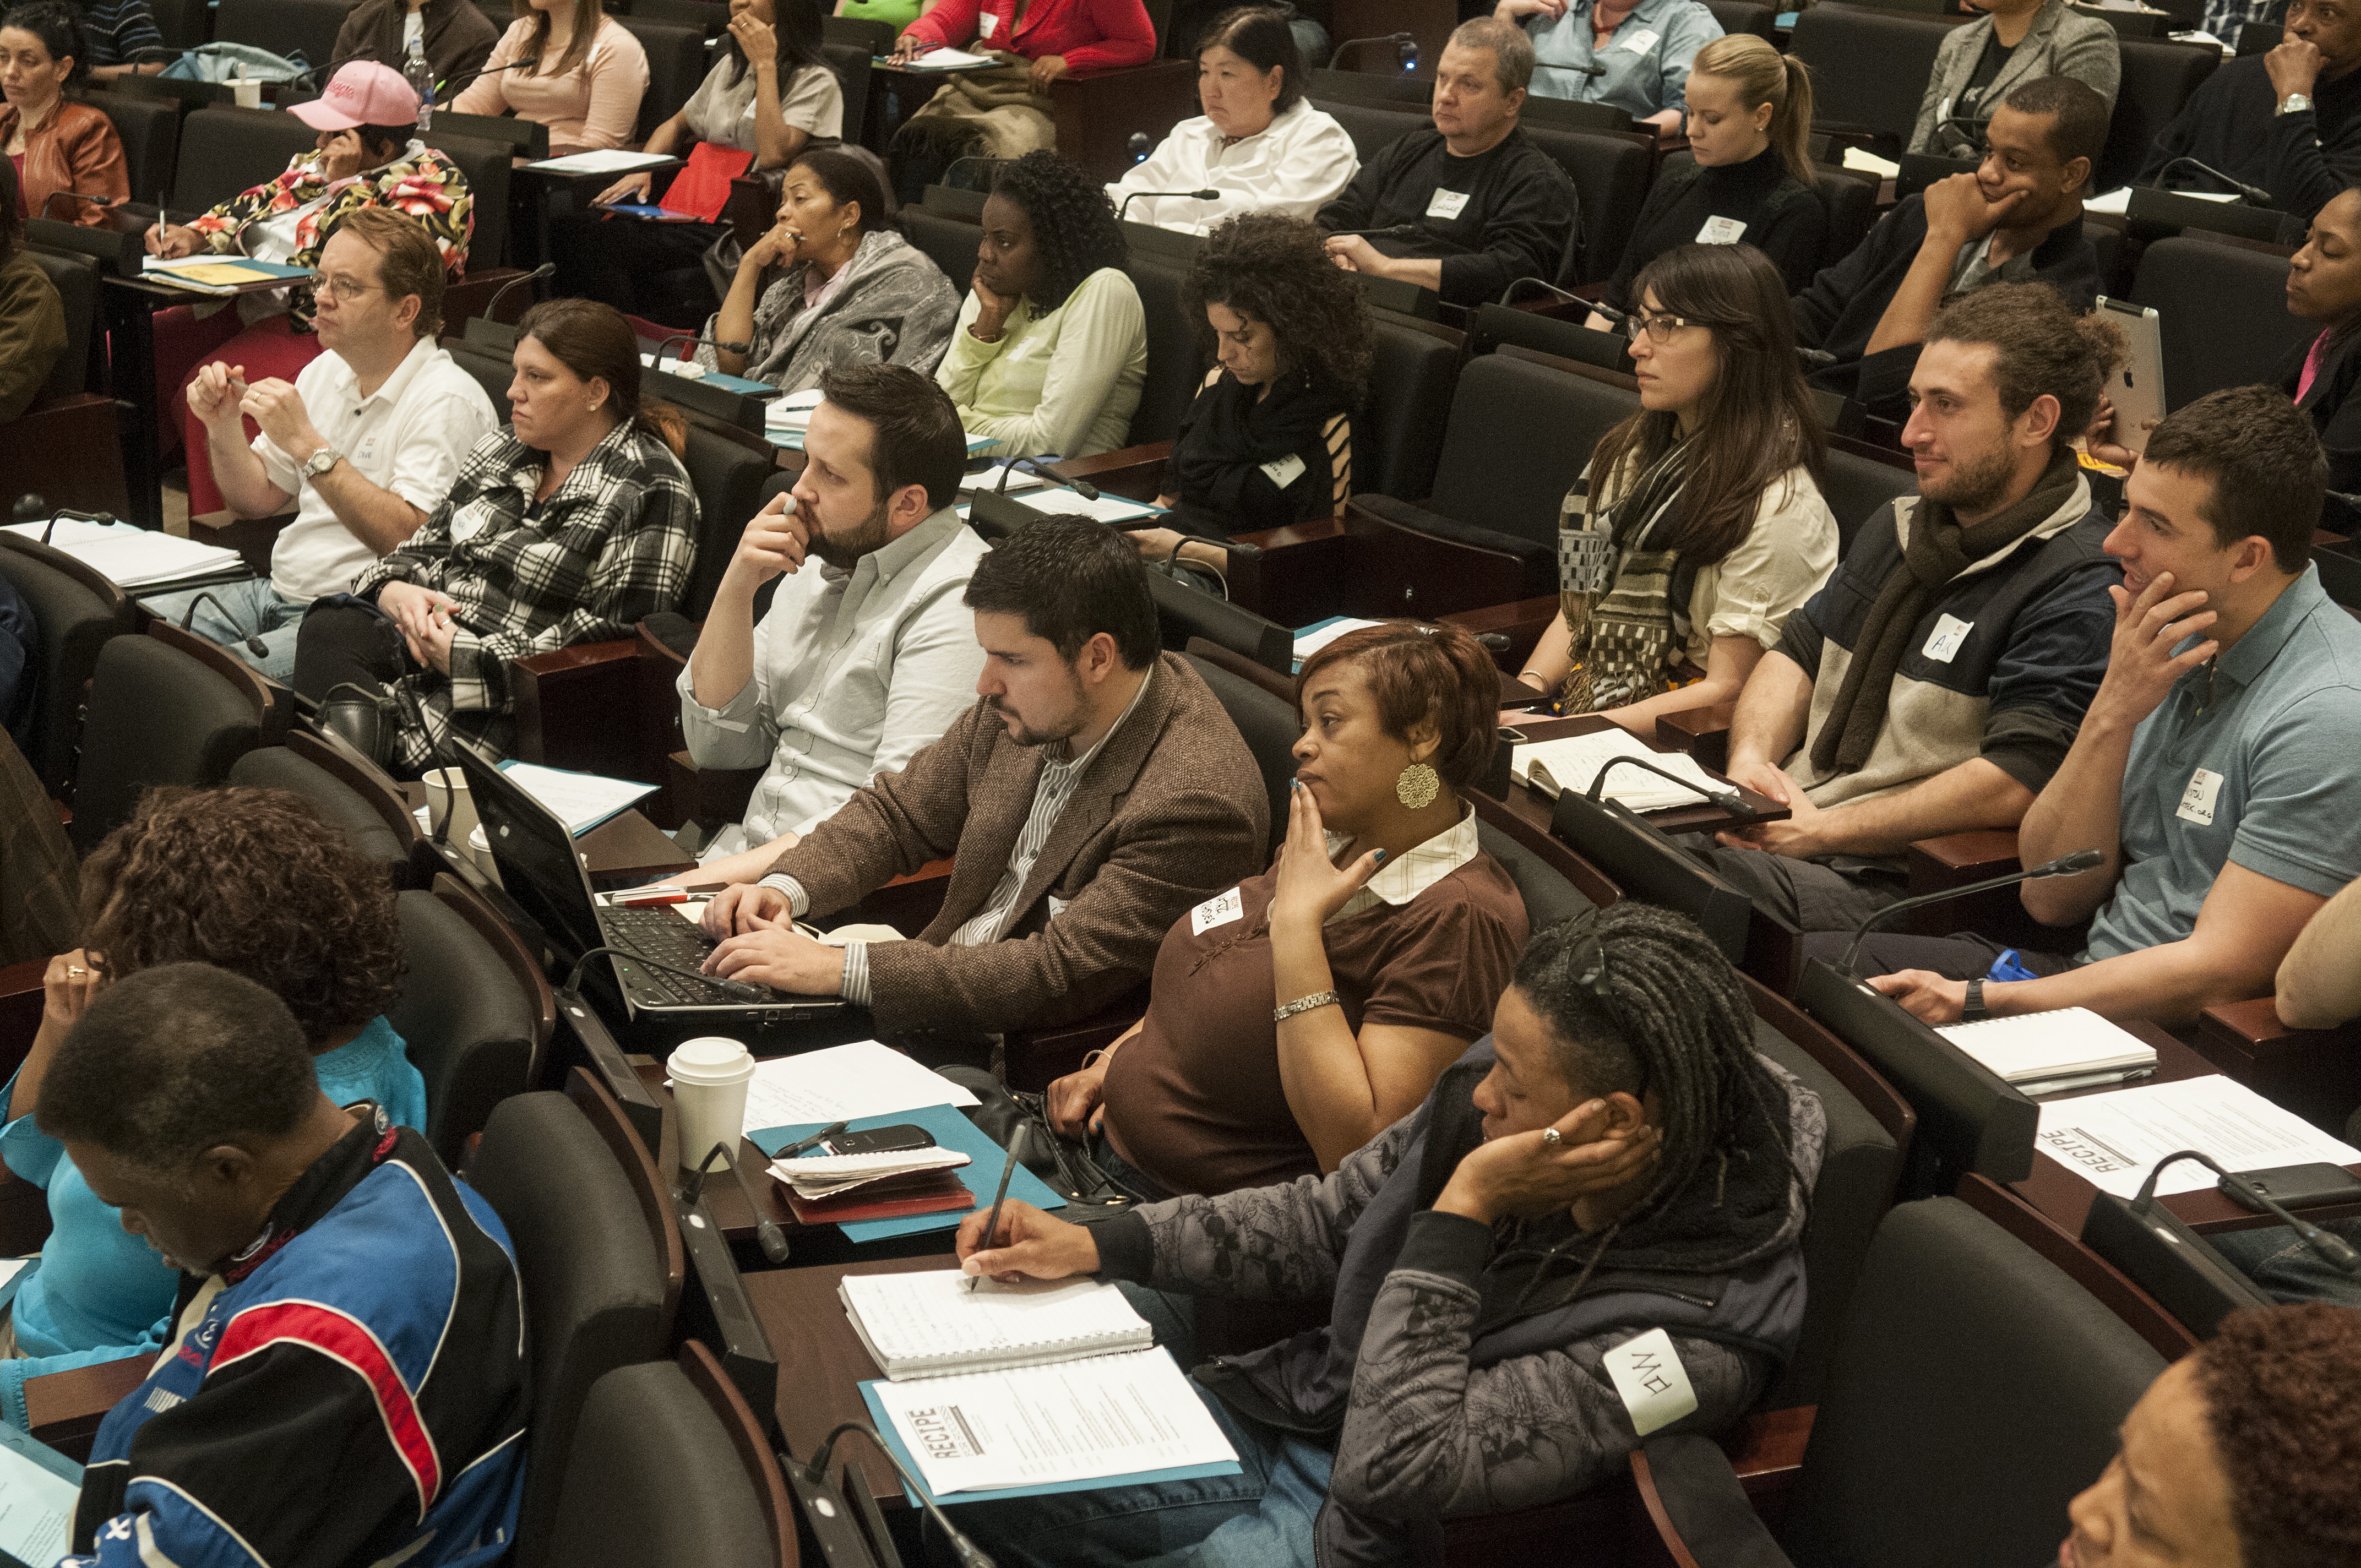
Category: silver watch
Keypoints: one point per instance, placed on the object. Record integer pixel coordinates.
(2294, 103)
(320, 461)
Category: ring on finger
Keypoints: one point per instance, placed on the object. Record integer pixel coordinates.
(1551, 1137)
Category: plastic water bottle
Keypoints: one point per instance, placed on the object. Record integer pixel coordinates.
(420, 77)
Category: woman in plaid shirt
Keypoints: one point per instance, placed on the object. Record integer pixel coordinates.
(567, 526)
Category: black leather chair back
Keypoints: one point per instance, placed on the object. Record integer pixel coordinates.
(493, 373)
(75, 277)
(181, 22)
(1549, 897)
(1610, 175)
(2159, 77)
(869, 36)
(1973, 1390)
(850, 63)
(156, 716)
(226, 150)
(284, 26)
(1398, 438)
(653, 1480)
(1858, 1165)
(1184, 610)
(1496, 324)
(1852, 211)
(729, 482)
(593, 1284)
(468, 1026)
(276, 767)
(2224, 314)
(1270, 727)
(75, 614)
(1373, 128)
(149, 129)
(1519, 436)
(1746, 16)
(1175, 360)
(950, 242)
(1869, 65)
(1859, 488)
(676, 64)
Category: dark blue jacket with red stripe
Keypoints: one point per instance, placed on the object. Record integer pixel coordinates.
(354, 1392)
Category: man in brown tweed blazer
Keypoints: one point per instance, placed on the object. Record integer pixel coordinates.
(1094, 793)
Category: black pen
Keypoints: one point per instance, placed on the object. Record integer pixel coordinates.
(819, 1138)
(992, 1226)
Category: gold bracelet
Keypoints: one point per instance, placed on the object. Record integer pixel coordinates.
(1305, 1005)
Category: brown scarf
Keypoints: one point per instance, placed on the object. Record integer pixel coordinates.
(1939, 550)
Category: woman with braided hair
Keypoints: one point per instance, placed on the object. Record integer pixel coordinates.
(1051, 346)
(1590, 1232)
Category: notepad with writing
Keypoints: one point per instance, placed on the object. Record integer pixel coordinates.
(940, 1322)
(2072, 1043)
(1572, 761)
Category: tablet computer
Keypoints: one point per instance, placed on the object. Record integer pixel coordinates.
(2137, 389)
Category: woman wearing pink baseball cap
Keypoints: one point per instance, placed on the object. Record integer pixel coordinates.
(368, 156)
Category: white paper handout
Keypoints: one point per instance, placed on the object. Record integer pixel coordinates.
(583, 800)
(1572, 761)
(1312, 642)
(36, 1503)
(843, 1083)
(129, 556)
(1077, 1420)
(942, 1320)
(948, 60)
(609, 160)
(2113, 1139)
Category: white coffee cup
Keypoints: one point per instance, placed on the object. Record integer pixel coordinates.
(479, 849)
(709, 1075)
(450, 809)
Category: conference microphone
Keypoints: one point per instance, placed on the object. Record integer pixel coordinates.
(1405, 48)
(1140, 146)
(254, 645)
(1730, 800)
(1193, 195)
(1593, 71)
(766, 1229)
(2254, 194)
(2075, 864)
(1391, 231)
(30, 508)
(2338, 1252)
(1509, 293)
(969, 1553)
(546, 269)
(1083, 488)
(466, 76)
(693, 341)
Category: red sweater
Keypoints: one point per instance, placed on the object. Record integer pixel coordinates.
(1094, 35)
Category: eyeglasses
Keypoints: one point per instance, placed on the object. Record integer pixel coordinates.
(344, 290)
(1658, 327)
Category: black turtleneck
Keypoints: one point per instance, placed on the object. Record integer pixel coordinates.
(1783, 219)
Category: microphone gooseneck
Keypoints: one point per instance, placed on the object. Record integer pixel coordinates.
(2075, 864)
(2338, 1252)
(2253, 193)
(1730, 800)
(1192, 195)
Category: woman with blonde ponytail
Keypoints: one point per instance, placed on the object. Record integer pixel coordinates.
(1750, 111)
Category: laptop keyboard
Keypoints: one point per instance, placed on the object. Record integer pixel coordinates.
(664, 937)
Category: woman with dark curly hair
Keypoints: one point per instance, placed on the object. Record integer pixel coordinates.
(251, 881)
(1269, 440)
(1052, 345)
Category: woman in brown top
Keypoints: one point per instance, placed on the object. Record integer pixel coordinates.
(1295, 1016)
(55, 143)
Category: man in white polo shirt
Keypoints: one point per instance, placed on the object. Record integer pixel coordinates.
(367, 440)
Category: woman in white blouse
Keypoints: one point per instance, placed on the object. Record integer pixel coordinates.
(1698, 526)
(1258, 143)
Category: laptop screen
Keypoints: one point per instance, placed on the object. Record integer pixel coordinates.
(539, 864)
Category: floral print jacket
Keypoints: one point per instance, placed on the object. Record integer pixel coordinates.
(421, 183)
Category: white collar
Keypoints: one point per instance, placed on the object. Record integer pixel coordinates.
(1416, 869)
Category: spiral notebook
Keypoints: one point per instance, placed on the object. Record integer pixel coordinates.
(919, 1325)
(2071, 1047)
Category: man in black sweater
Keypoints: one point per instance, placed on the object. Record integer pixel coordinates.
(1475, 204)
(2289, 121)
(2017, 219)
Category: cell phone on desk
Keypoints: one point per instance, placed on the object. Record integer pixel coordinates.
(899, 1139)
(2299, 1186)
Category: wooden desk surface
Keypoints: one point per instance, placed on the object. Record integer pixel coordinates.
(822, 1363)
(1537, 809)
(2065, 1196)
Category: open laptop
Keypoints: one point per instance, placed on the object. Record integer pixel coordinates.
(546, 875)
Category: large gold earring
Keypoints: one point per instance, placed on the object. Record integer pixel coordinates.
(1417, 785)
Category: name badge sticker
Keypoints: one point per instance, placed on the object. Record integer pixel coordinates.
(1950, 635)
(1640, 42)
(1285, 471)
(1721, 231)
(1654, 1384)
(2197, 800)
(1217, 911)
(1446, 203)
(986, 24)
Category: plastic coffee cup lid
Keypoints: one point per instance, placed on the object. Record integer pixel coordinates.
(710, 1060)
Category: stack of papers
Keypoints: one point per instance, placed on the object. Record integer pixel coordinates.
(832, 1175)
(946, 59)
(2118, 201)
(2113, 1140)
(1573, 762)
(990, 479)
(132, 557)
(1860, 161)
(792, 411)
(842, 1083)
(1310, 639)
(584, 800)
(220, 274)
(2071, 1047)
(943, 1321)
(612, 161)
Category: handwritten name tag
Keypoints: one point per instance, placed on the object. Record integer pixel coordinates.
(2197, 800)
(1285, 471)
(1654, 1384)
(1217, 911)
(1721, 231)
(1446, 203)
(1950, 635)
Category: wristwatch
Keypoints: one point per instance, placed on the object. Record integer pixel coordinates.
(320, 461)
(2294, 103)
(1975, 1011)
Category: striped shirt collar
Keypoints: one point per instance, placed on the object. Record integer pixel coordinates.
(1416, 869)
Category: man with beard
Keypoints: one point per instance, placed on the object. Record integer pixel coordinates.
(866, 654)
(1934, 683)
(1095, 794)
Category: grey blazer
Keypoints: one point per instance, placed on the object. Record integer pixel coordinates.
(2062, 42)
(894, 306)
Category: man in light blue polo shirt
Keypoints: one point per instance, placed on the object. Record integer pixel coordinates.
(2216, 768)
(1642, 52)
